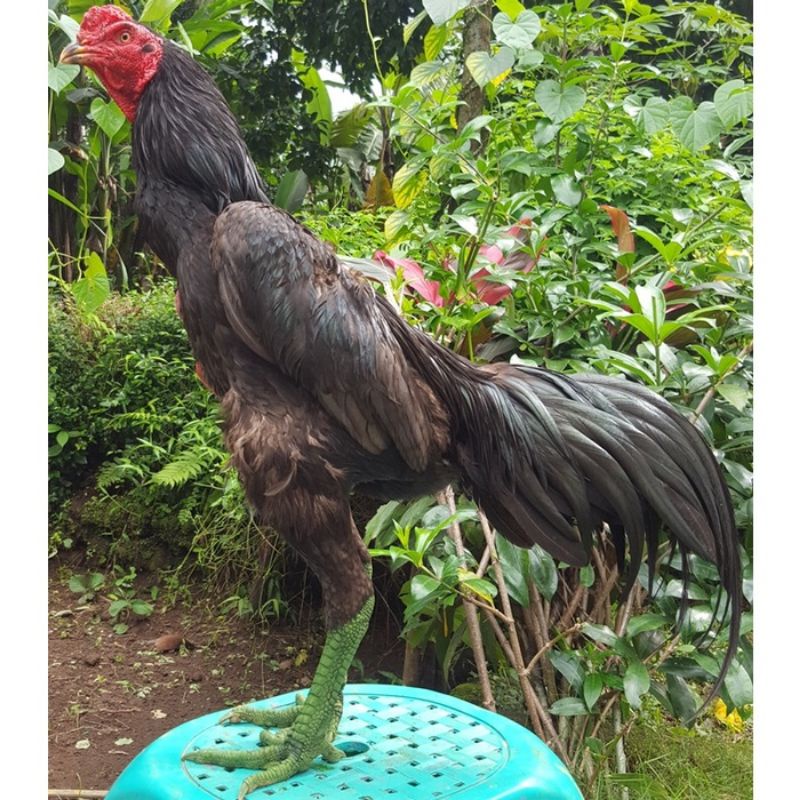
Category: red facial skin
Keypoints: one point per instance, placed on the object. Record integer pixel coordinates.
(123, 54)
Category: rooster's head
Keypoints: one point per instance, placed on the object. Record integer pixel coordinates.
(123, 54)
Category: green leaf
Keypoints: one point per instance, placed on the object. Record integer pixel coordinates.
(654, 115)
(435, 40)
(569, 666)
(632, 105)
(396, 223)
(566, 190)
(381, 519)
(92, 289)
(156, 12)
(600, 633)
(59, 76)
(669, 252)
(442, 10)
(592, 689)
(530, 58)
(319, 106)
(650, 237)
(680, 109)
(474, 126)
(646, 622)
(544, 132)
(485, 68)
(513, 8)
(350, 125)
(54, 160)
(723, 167)
(423, 586)
(514, 563)
(67, 24)
(543, 571)
(69, 204)
(96, 580)
(142, 608)
(291, 190)
(116, 607)
(700, 128)
(108, 116)
(568, 707)
(636, 683)
(559, 102)
(408, 182)
(519, 32)
(736, 393)
(224, 40)
(733, 102)
(640, 322)
(653, 305)
(419, 510)
(681, 696)
(746, 188)
(410, 27)
(617, 50)
(423, 589)
(426, 72)
(486, 590)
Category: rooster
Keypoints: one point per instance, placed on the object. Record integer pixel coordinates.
(325, 388)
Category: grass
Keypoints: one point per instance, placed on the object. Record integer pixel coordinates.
(672, 763)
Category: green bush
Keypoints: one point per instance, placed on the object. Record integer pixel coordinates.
(72, 397)
(114, 377)
(353, 233)
(142, 477)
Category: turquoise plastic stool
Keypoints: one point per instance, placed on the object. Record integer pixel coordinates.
(403, 744)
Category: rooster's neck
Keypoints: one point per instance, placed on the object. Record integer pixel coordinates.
(186, 136)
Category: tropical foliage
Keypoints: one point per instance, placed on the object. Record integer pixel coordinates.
(592, 211)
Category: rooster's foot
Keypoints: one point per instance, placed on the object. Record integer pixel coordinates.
(282, 754)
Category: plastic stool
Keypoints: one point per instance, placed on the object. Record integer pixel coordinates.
(402, 744)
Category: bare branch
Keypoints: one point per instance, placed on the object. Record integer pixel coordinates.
(470, 612)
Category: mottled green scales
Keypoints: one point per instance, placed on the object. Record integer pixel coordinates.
(309, 728)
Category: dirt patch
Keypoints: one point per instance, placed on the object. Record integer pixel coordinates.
(110, 695)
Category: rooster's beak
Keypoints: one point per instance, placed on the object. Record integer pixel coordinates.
(74, 54)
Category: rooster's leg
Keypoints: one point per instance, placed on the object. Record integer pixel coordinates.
(309, 728)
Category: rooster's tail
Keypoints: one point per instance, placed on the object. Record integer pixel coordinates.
(551, 458)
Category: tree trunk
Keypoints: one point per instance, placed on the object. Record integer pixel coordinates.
(477, 37)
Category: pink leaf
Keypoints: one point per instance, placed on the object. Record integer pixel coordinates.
(414, 277)
(492, 252)
(516, 261)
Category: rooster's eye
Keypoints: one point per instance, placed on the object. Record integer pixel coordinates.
(124, 37)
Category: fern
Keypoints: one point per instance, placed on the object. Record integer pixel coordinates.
(119, 472)
(187, 465)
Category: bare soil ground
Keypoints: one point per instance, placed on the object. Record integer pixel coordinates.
(110, 695)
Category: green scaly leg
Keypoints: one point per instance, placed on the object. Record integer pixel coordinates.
(309, 728)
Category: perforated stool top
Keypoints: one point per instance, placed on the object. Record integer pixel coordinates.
(402, 744)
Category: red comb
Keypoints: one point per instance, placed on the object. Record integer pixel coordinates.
(99, 17)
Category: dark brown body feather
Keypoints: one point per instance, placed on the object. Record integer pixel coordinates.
(325, 388)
